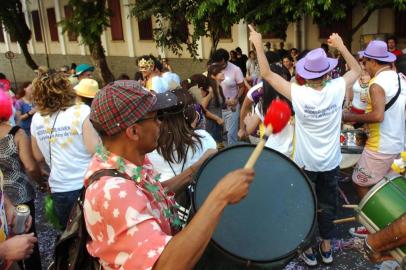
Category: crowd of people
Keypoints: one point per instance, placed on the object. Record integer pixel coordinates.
(61, 129)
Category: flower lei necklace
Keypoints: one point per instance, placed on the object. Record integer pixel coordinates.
(152, 188)
(73, 130)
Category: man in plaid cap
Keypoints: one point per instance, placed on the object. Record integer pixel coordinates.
(129, 216)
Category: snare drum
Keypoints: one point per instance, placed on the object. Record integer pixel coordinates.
(353, 141)
(382, 205)
(269, 226)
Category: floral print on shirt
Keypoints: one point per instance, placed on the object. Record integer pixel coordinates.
(129, 221)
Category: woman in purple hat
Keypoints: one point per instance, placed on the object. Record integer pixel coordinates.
(318, 110)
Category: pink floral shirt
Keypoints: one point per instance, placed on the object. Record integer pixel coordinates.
(129, 221)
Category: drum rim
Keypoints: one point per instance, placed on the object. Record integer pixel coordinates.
(306, 241)
(384, 181)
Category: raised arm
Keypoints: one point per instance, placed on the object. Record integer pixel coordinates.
(277, 82)
(355, 69)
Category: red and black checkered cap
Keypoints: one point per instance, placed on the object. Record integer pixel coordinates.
(121, 104)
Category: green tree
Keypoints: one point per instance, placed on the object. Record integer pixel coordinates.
(89, 19)
(207, 18)
(211, 17)
(12, 17)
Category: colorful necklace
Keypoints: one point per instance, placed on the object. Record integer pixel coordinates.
(152, 187)
(73, 130)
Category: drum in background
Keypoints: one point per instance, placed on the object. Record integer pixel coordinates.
(382, 205)
(353, 141)
(352, 144)
(274, 221)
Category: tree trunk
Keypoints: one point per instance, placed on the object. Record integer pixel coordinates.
(28, 58)
(215, 38)
(99, 61)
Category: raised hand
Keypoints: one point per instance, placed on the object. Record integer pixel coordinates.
(255, 37)
(335, 41)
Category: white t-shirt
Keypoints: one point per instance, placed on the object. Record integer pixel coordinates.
(232, 78)
(159, 84)
(317, 125)
(359, 99)
(70, 158)
(387, 137)
(162, 166)
(281, 141)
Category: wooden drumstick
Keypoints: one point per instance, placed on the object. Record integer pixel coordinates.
(351, 206)
(344, 220)
(276, 118)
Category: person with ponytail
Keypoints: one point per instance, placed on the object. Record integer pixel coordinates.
(211, 102)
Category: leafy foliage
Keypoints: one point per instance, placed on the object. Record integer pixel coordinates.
(89, 20)
(12, 17)
(210, 17)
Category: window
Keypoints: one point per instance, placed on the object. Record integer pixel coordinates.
(115, 20)
(225, 34)
(68, 14)
(1, 33)
(53, 29)
(37, 25)
(400, 24)
(145, 29)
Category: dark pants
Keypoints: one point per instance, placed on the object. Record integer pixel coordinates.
(326, 185)
(63, 203)
(34, 261)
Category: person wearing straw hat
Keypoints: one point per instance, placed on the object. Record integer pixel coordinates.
(86, 89)
(318, 110)
(385, 117)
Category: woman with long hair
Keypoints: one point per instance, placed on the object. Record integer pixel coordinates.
(212, 103)
(261, 99)
(19, 169)
(182, 149)
(63, 137)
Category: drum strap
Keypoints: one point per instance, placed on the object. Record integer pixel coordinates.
(393, 100)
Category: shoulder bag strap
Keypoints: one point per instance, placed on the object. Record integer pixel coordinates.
(14, 130)
(393, 100)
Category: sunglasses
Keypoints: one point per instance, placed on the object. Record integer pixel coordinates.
(158, 117)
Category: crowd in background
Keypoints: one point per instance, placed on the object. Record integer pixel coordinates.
(47, 139)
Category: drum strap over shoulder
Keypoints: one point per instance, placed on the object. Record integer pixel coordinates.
(393, 100)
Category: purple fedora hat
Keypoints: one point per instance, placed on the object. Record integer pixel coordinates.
(315, 64)
(378, 50)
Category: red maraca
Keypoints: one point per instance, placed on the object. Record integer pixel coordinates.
(276, 118)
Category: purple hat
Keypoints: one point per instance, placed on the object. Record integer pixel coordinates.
(315, 64)
(378, 50)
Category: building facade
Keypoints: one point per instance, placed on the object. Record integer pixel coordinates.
(129, 37)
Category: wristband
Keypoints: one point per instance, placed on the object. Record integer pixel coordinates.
(368, 249)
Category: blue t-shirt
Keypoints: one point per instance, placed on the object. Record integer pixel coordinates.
(24, 107)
